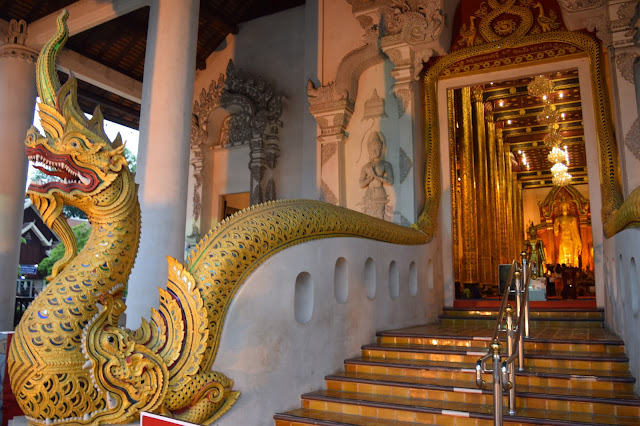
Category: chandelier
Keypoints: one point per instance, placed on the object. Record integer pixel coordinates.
(542, 87)
(557, 156)
(553, 138)
(548, 115)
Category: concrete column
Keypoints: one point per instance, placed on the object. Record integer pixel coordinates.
(163, 158)
(17, 100)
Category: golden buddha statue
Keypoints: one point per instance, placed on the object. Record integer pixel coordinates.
(565, 227)
(535, 247)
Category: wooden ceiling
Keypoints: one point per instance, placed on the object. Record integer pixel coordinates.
(517, 111)
(120, 44)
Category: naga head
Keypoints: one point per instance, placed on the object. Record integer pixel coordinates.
(74, 150)
(89, 171)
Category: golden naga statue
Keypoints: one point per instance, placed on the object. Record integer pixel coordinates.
(565, 227)
(69, 362)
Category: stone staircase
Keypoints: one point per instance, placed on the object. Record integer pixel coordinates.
(576, 373)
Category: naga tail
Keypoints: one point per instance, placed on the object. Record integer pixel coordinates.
(226, 256)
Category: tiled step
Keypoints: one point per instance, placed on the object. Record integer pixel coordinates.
(542, 313)
(576, 373)
(578, 400)
(534, 322)
(551, 339)
(428, 411)
(306, 417)
(533, 357)
(539, 376)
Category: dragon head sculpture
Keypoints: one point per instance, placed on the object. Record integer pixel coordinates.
(89, 171)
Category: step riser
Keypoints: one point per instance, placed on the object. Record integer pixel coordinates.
(532, 314)
(472, 422)
(387, 413)
(529, 362)
(407, 413)
(477, 343)
(481, 398)
(462, 322)
(471, 376)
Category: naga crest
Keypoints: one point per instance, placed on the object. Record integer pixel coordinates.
(75, 151)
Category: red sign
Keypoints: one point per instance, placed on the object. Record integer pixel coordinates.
(149, 419)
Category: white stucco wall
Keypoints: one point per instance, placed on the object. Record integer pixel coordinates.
(622, 292)
(273, 358)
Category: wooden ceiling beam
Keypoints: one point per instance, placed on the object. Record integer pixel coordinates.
(225, 26)
(83, 15)
(107, 105)
(100, 75)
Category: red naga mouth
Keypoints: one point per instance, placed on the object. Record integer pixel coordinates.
(66, 175)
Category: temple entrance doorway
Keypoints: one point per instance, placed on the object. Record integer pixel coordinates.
(507, 193)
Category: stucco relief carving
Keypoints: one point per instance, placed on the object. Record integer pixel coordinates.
(626, 11)
(17, 32)
(330, 107)
(416, 20)
(578, 5)
(374, 175)
(632, 139)
(374, 107)
(15, 40)
(624, 62)
(403, 95)
(600, 24)
(404, 30)
(327, 152)
(254, 113)
(326, 194)
(405, 165)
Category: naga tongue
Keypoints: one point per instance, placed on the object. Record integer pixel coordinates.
(59, 173)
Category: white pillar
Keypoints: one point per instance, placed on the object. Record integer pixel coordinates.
(17, 100)
(163, 158)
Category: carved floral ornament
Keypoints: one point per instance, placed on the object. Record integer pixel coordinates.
(388, 23)
(253, 118)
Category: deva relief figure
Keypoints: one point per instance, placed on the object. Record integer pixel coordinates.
(374, 175)
(565, 229)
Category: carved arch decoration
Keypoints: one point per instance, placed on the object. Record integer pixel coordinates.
(408, 34)
(250, 114)
(550, 206)
(525, 42)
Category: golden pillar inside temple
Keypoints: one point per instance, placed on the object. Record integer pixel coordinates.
(493, 199)
(487, 210)
(501, 188)
(483, 204)
(455, 183)
(468, 226)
